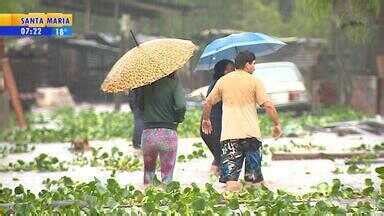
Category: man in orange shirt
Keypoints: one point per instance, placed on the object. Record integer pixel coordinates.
(241, 94)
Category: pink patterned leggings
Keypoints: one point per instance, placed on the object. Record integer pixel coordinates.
(162, 142)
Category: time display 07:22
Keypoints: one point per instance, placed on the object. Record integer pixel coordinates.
(31, 31)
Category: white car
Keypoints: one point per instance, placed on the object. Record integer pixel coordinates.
(283, 83)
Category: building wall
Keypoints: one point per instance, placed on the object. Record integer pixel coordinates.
(54, 63)
(364, 94)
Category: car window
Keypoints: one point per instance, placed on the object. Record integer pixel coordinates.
(278, 73)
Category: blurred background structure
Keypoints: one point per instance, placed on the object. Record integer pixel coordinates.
(337, 45)
(333, 63)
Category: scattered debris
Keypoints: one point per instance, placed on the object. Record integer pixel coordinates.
(80, 145)
(371, 126)
(313, 156)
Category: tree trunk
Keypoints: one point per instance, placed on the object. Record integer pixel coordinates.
(87, 15)
(339, 44)
(380, 60)
(2, 48)
(380, 35)
(4, 100)
(116, 14)
(286, 8)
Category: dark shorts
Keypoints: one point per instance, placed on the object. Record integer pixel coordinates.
(234, 153)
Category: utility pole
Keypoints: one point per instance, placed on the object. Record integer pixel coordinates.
(125, 27)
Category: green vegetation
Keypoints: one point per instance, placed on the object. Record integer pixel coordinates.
(115, 161)
(7, 149)
(43, 163)
(66, 124)
(198, 152)
(360, 164)
(66, 197)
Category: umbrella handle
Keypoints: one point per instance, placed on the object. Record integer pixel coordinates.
(134, 38)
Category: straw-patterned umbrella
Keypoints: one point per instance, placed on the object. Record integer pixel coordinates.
(148, 62)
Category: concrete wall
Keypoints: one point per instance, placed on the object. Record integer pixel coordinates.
(364, 94)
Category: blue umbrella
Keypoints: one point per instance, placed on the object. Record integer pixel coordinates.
(228, 47)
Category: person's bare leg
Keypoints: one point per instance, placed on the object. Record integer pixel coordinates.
(214, 170)
(233, 186)
(251, 184)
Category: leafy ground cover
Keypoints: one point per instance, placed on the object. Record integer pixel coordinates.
(66, 197)
(360, 164)
(198, 152)
(115, 161)
(43, 163)
(6, 149)
(64, 125)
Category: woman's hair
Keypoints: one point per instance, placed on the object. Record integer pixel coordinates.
(219, 68)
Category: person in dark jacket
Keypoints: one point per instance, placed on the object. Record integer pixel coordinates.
(213, 140)
(164, 107)
(133, 100)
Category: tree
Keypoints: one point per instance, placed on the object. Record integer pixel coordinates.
(352, 29)
(11, 6)
(276, 17)
(20, 6)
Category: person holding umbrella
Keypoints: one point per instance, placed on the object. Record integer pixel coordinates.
(164, 108)
(228, 47)
(151, 67)
(213, 140)
(241, 95)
